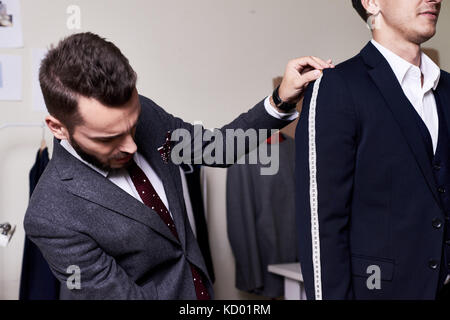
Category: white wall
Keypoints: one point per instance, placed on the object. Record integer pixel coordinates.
(205, 60)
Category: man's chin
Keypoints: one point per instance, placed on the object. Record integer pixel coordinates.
(121, 163)
(118, 166)
(428, 31)
(424, 35)
(89, 158)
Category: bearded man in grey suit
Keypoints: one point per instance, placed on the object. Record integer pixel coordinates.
(109, 210)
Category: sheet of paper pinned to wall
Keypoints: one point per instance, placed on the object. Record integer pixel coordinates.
(10, 77)
(10, 24)
(38, 98)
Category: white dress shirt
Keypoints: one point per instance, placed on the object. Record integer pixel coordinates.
(122, 179)
(421, 97)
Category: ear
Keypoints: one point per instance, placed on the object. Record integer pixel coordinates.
(57, 128)
(372, 6)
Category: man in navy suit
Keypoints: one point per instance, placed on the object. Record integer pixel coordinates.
(373, 165)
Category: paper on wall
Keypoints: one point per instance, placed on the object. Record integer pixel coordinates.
(10, 24)
(6, 235)
(11, 77)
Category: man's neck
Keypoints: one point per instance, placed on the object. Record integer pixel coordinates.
(407, 50)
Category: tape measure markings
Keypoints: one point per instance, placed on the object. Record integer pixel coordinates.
(313, 192)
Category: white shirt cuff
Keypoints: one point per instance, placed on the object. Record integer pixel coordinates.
(279, 115)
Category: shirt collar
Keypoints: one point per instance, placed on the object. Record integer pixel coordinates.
(66, 145)
(431, 72)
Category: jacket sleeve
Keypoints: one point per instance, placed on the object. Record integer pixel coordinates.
(335, 137)
(219, 147)
(101, 277)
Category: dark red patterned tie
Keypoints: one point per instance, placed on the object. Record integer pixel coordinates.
(152, 200)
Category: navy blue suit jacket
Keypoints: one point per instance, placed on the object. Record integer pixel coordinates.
(377, 196)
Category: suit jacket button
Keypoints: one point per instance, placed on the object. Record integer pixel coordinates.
(441, 190)
(437, 223)
(447, 242)
(433, 264)
(437, 167)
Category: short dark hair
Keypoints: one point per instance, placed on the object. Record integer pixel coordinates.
(360, 9)
(84, 64)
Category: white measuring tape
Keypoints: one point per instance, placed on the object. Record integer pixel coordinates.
(313, 192)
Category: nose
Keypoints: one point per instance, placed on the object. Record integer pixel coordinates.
(128, 146)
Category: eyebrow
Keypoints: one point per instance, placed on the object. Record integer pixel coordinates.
(117, 135)
(114, 136)
(108, 137)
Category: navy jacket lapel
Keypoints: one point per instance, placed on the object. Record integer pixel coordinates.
(443, 94)
(84, 182)
(402, 110)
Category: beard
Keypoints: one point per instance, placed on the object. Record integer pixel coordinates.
(94, 160)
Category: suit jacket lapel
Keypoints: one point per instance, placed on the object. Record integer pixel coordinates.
(168, 173)
(85, 183)
(443, 94)
(402, 110)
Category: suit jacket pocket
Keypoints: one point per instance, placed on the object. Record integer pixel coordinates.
(361, 263)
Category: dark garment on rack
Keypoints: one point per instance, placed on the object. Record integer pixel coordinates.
(261, 221)
(192, 174)
(37, 281)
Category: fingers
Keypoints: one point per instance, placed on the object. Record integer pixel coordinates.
(300, 72)
(325, 64)
(309, 77)
(307, 69)
(311, 61)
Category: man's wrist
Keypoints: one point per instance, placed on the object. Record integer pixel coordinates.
(278, 114)
(272, 103)
(279, 104)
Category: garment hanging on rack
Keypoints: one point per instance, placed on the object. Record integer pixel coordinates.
(261, 221)
(193, 181)
(37, 281)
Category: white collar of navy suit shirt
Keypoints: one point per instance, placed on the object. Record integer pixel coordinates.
(431, 72)
(420, 96)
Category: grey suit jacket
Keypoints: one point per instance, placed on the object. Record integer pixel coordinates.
(123, 249)
(261, 222)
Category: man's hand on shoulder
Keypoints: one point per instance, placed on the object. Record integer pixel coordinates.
(299, 73)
